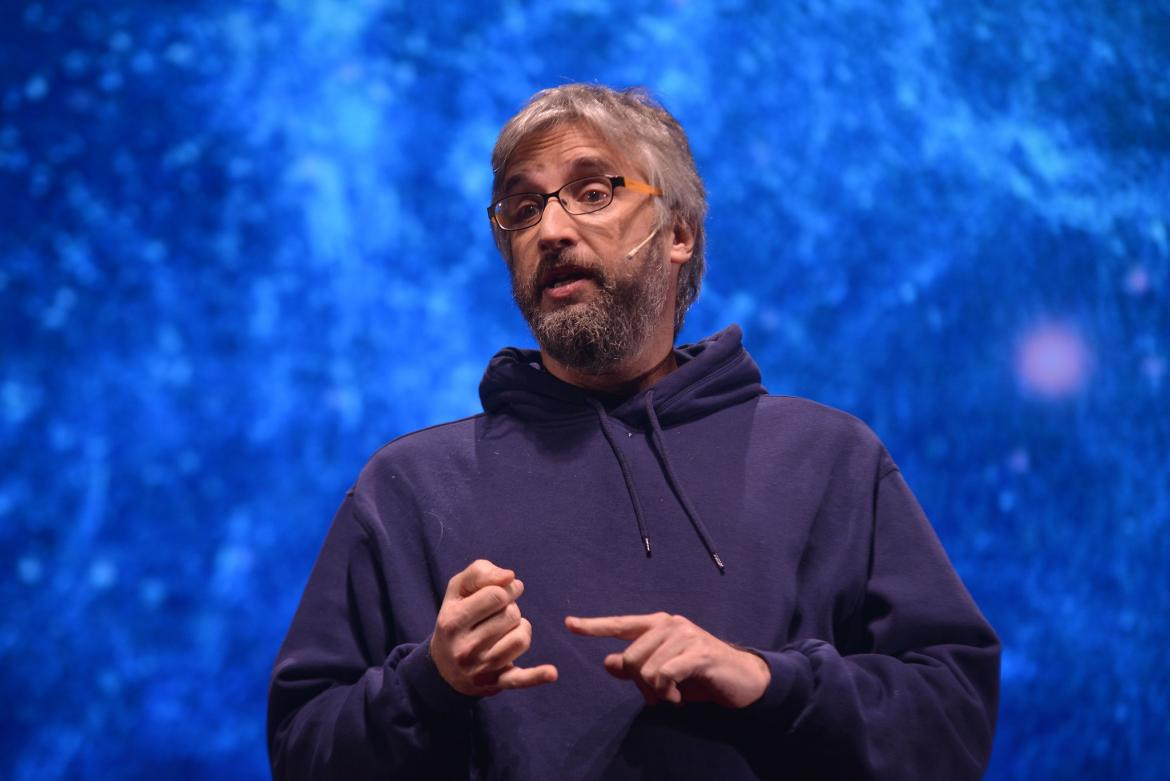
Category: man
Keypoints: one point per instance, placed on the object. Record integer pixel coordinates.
(634, 563)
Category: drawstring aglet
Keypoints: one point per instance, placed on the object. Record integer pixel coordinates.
(718, 561)
(646, 545)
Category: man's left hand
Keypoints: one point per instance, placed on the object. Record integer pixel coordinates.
(673, 660)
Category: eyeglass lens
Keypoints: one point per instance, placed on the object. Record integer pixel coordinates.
(577, 197)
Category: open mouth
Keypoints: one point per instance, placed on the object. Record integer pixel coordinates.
(563, 276)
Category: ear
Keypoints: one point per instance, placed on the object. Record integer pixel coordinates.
(682, 244)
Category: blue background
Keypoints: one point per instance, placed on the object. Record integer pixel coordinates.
(244, 244)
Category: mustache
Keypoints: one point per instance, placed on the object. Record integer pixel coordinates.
(552, 261)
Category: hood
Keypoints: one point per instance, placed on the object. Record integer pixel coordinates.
(711, 375)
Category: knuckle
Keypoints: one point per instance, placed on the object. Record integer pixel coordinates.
(502, 654)
(490, 660)
(522, 643)
(446, 623)
(512, 612)
(497, 596)
(463, 653)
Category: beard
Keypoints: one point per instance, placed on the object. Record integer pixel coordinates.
(595, 336)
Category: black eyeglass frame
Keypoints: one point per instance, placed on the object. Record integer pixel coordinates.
(614, 182)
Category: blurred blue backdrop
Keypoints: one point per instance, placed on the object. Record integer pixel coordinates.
(243, 244)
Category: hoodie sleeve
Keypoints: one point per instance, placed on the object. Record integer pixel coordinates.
(916, 698)
(348, 699)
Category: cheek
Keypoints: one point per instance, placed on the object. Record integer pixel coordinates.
(522, 261)
(518, 252)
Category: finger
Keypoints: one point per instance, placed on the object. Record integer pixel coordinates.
(475, 576)
(499, 623)
(687, 675)
(623, 627)
(644, 647)
(474, 643)
(675, 672)
(654, 695)
(672, 646)
(647, 693)
(525, 677)
(509, 647)
(665, 671)
(627, 665)
(488, 601)
(655, 689)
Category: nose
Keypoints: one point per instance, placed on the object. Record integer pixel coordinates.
(556, 228)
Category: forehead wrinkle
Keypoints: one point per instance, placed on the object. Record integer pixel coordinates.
(590, 165)
(587, 153)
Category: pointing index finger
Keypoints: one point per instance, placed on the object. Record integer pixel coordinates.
(623, 627)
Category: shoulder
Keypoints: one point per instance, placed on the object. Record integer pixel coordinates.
(820, 429)
(422, 451)
(805, 414)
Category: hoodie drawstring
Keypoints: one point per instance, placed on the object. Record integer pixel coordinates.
(659, 447)
(603, 419)
(683, 499)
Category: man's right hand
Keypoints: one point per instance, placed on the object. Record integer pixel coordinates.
(480, 632)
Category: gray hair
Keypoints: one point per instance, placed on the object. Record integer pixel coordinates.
(628, 120)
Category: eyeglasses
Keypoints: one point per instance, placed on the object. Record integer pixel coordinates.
(580, 196)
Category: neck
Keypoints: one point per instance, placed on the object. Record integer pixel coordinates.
(651, 364)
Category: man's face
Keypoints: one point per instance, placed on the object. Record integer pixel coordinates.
(587, 303)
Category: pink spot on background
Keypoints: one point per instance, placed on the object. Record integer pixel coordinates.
(1019, 461)
(1137, 281)
(1154, 367)
(1053, 361)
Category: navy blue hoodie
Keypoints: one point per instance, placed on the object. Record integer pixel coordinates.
(774, 523)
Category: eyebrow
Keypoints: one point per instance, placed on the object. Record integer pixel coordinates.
(581, 167)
